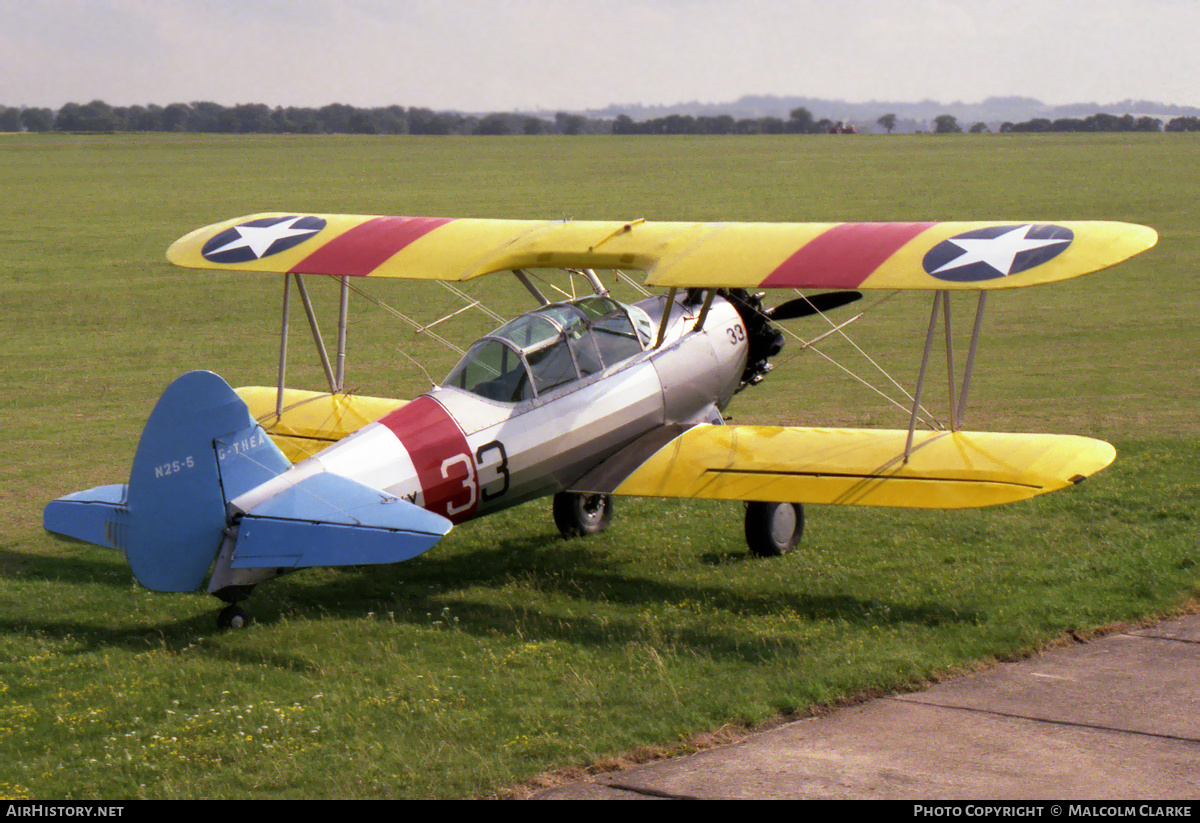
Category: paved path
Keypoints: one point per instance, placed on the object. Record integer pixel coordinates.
(1116, 718)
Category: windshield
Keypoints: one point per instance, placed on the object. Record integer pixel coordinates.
(493, 370)
(547, 348)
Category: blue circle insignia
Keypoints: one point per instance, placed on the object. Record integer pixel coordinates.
(260, 238)
(996, 251)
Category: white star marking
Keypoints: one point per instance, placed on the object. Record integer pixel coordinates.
(997, 252)
(259, 238)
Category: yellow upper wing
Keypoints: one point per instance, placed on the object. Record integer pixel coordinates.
(951, 255)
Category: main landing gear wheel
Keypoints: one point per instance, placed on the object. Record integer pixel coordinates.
(578, 515)
(773, 529)
(232, 616)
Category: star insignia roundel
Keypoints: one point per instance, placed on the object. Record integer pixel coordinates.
(996, 251)
(260, 238)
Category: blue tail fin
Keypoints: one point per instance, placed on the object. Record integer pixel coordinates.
(199, 449)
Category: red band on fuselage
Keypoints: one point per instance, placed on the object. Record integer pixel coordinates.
(440, 454)
(844, 256)
(361, 250)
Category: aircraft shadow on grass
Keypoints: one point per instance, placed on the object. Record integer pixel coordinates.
(420, 592)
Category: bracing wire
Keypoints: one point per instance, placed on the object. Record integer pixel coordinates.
(932, 420)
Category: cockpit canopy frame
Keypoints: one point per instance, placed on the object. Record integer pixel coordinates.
(551, 346)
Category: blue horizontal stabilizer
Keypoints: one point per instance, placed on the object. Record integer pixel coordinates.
(330, 520)
(96, 515)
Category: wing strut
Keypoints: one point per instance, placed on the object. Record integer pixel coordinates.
(283, 341)
(912, 420)
(662, 326)
(962, 397)
(958, 395)
(343, 309)
(318, 342)
(708, 299)
(337, 380)
(528, 284)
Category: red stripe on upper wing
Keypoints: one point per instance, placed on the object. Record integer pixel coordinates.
(440, 454)
(362, 249)
(844, 256)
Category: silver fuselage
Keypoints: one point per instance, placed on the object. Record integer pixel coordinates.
(462, 455)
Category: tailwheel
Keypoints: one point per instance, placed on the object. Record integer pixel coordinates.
(773, 529)
(578, 515)
(232, 616)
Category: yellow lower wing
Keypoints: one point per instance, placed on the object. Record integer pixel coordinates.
(312, 420)
(865, 467)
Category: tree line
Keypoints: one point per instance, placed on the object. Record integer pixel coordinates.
(948, 124)
(258, 118)
(338, 118)
(1103, 123)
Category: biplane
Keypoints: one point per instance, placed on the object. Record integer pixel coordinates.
(582, 398)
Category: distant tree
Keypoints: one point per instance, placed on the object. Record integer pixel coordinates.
(176, 117)
(773, 125)
(1183, 124)
(10, 119)
(679, 124)
(1102, 122)
(390, 120)
(720, 124)
(1148, 123)
(249, 118)
(979, 128)
(227, 121)
(425, 121)
(497, 123)
(1068, 124)
(800, 121)
(571, 124)
(888, 121)
(335, 118)
(94, 116)
(946, 124)
(148, 118)
(281, 121)
(37, 119)
(624, 124)
(205, 116)
(536, 125)
(361, 121)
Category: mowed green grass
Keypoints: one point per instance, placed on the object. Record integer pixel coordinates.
(506, 651)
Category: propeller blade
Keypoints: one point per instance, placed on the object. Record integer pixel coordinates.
(805, 306)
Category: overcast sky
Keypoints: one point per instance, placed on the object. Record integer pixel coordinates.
(501, 55)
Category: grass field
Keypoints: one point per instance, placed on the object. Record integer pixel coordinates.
(507, 652)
